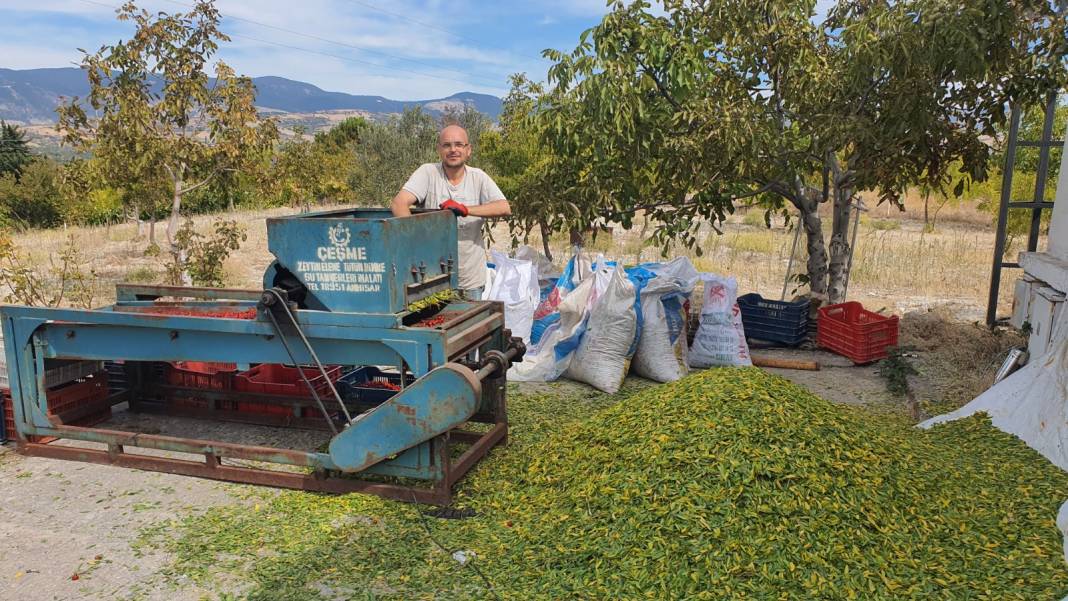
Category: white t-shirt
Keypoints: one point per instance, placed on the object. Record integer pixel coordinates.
(431, 187)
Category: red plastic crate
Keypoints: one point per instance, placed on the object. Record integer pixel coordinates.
(856, 333)
(87, 399)
(9, 414)
(92, 391)
(199, 374)
(274, 378)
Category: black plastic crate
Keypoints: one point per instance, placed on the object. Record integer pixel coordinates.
(358, 386)
(774, 321)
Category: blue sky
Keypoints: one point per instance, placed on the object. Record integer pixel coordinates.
(402, 49)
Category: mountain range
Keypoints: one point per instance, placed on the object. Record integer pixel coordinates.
(31, 96)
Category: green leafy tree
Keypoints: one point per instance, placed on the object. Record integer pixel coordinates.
(165, 127)
(388, 154)
(682, 114)
(14, 150)
(206, 253)
(516, 156)
(35, 199)
(306, 172)
(344, 136)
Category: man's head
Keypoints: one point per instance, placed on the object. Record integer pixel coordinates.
(453, 147)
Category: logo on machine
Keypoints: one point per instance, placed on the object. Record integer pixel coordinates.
(339, 249)
(340, 235)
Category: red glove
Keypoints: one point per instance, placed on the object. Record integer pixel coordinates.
(458, 208)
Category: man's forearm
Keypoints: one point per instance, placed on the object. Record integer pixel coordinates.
(401, 205)
(496, 208)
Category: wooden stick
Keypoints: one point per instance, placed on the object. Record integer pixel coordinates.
(786, 363)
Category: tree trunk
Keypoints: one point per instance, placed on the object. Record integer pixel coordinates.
(172, 230)
(151, 231)
(176, 208)
(545, 240)
(838, 267)
(816, 267)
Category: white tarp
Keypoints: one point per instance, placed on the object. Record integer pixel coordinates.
(1032, 403)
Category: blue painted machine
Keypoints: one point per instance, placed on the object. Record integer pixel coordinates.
(337, 294)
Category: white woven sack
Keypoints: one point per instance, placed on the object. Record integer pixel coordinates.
(720, 339)
(553, 353)
(603, 355)
(516, 285)
(657, 357)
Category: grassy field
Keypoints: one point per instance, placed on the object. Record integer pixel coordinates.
(898, 266)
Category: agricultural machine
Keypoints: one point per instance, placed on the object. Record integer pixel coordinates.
(404, 395)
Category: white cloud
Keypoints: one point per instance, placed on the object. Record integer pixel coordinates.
(394, 55)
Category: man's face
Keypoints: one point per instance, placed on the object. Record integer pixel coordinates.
(453, 147)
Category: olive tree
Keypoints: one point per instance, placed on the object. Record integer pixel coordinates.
(157, 123)
(684, 112)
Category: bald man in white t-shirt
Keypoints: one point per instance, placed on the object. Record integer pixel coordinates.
(466, 191)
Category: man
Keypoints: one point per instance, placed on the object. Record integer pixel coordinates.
(466, 191)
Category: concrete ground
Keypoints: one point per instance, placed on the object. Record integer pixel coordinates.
(837, 380)
(70, 529)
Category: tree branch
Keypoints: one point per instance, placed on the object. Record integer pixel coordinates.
(204, 181)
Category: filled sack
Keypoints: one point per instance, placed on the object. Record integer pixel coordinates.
(608, 340)
(515, 283)
(662, 348)
(720, 338)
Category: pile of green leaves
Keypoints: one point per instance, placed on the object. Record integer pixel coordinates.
(436, 300)
(731, 483)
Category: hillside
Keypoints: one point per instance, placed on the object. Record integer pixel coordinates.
(30, 96)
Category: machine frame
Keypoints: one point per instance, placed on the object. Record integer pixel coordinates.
(140, 331)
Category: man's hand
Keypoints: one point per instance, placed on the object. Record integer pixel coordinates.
(459, 209)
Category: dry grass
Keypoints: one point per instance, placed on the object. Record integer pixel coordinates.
(942, 211)
(957, 359)
(117, 253)
(899, 270)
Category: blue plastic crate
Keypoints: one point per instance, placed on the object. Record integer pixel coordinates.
(774, 321)
(353, 386)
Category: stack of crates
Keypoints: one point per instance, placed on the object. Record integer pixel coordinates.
(80, 401)
(202, 375)
(368, 387)
(273, 378)
(780, 322)
(266, 378)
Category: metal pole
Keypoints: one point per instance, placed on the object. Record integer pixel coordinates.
(1003, 214)
(790, 264)
(1042, 174)
(858, 207)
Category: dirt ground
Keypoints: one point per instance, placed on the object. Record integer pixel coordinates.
(72, 530)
